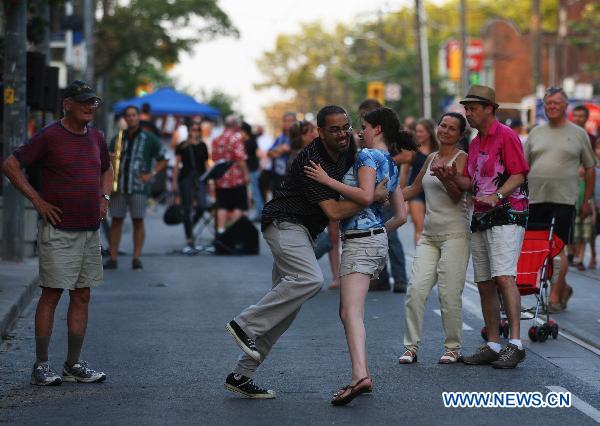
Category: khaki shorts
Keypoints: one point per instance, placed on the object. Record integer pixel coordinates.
(496, 251)
(69, 259)
(366, 255)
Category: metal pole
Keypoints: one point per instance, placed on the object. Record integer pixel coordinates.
(424, 48)
(420, 92)
(464, 71)
(14, 122)
(536, 45)
(69, 42)
(562, 41)
(89, 7)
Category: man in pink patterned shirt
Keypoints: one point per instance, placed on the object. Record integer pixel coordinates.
(496, 174)
(232, 197)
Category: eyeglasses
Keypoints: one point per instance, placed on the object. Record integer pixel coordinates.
(93, 102)
(337, 130)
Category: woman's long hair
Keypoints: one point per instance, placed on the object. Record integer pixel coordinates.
(429, 125)
(395, 138)
(298, 129)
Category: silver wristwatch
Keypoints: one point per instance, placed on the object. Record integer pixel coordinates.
(106, 197)
(499, 195)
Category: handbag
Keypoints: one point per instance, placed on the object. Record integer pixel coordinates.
(498, 216)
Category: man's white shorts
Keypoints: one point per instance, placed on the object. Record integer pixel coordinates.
(496, 251)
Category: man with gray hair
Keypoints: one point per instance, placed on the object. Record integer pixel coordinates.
(555, 152)
(232, 197)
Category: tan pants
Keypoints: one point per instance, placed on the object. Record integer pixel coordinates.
(443, 261)
(296, 278)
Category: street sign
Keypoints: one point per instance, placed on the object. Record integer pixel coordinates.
(393, 92)
(376, 90)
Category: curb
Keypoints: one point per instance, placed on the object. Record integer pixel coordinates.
(8, 319)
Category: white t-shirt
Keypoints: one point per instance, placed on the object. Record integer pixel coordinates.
(265, 142)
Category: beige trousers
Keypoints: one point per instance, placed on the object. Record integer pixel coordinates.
(296, 278)
(442, 261)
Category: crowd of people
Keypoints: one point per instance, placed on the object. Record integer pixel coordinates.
(467, 198)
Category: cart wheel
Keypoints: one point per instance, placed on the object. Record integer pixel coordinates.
(554, 330)
(484, 335)
(533, 333)
(506, 329)
(542, 333)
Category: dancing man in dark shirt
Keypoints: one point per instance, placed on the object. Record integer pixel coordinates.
(298, 212)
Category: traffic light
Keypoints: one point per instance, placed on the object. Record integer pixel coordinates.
(376, 90)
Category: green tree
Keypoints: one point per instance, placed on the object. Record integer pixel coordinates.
(137, 41)
(220, 100)
(321, 66)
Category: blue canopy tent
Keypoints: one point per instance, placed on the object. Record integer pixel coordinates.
(169, 101)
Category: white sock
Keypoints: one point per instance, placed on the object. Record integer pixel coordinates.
(516, 342)
(496, 347)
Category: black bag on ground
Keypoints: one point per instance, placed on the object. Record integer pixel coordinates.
(239, 238)
(172, 215)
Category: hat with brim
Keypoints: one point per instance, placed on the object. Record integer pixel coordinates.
(80, 91)
(481, 94)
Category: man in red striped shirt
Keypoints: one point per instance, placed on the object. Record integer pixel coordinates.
(76, 179)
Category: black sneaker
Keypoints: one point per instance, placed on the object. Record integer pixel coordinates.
(245, 343)
(136, 264)
(245, 386)
(509, 357)
(110, 264)
(484, 355)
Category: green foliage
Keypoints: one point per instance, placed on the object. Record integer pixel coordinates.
(137, 40)
(585, 34)
(220, 100)
(320, 68)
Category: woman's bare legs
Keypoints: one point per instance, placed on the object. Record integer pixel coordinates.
(353, 292)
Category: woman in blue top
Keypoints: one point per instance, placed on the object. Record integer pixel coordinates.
(364, 253)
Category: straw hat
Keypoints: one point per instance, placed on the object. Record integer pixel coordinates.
(479, 93)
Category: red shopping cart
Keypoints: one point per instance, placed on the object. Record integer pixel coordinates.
(534, 271)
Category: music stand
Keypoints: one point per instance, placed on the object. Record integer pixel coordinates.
(218, 169)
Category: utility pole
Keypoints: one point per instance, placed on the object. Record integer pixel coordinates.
(14, 123)
(89, 8)
(464, 71)
(423, 62)
(536, 45)
(69, 42)
(562, 41)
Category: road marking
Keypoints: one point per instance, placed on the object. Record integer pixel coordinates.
(582, 406)
(465, 327)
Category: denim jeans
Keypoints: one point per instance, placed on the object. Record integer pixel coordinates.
(395, 254)
(257, 197)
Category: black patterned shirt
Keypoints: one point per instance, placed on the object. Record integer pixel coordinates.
(298, 199)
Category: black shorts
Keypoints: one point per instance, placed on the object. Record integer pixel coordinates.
(232, 198)
(564, 214)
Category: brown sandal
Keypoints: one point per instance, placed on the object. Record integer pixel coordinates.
(343, 397)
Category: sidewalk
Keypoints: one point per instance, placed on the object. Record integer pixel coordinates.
(18, 283)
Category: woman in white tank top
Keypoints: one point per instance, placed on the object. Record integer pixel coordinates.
(442, 252)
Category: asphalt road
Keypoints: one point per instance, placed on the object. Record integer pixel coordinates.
(159, 335)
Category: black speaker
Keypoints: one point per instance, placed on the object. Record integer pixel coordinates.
(36, 76)
(239, 238)
(51, 98)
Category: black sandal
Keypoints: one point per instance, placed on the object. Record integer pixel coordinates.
(355, 390)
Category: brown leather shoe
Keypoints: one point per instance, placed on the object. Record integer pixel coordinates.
(484, 355)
